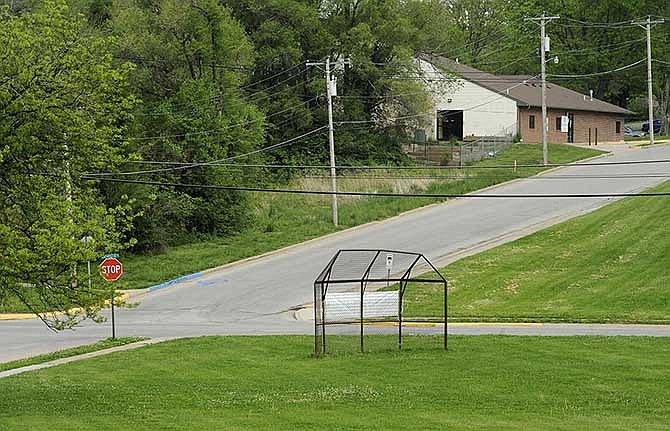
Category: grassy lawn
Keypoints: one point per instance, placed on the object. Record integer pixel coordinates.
(66, 353)
(607, 266)
(646, 138)
(282, 220)
(264, 383)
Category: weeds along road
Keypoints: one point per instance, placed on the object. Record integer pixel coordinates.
(252, 297)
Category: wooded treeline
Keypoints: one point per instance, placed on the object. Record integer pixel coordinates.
(96, 86)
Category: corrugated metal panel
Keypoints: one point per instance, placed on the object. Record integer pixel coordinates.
(345, 306)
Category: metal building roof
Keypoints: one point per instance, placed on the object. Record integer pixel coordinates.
(525, 89)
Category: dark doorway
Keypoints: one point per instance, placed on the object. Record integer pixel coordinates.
(571, 128)
(449, 125)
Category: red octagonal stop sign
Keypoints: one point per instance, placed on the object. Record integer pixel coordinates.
(111, 269)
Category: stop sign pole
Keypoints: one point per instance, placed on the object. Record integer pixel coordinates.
(111, 269)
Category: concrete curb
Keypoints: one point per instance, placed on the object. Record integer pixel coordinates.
(26, 316)
(61, 361)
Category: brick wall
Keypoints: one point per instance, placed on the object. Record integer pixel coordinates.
(583, 121)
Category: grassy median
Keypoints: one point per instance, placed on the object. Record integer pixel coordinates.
(268, 383)
(607, 266)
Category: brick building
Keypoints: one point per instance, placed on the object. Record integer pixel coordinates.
(476, 103)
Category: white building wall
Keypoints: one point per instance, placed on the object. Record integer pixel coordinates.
(485, 112)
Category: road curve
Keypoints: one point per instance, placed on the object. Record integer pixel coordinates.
(250, 298)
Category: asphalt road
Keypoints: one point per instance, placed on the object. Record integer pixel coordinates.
(252, 297)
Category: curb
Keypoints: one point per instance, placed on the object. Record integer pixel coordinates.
(88, 355)
(27, 316)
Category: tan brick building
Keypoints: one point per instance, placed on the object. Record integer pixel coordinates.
(482, 104)
(583, 126)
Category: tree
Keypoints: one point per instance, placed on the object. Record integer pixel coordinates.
(63, 106)
(191, 58)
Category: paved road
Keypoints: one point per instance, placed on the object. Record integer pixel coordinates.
(251, 298)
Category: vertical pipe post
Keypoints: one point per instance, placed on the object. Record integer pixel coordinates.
(445, 316)
(317, 353)
(113, 322)
(400, 296)
(362, 345)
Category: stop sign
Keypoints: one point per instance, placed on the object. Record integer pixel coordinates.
(111, 269)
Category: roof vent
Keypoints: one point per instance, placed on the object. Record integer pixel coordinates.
(591, 93)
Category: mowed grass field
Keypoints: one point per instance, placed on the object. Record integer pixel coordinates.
(281, 220)
(611, 265)
(272, 383)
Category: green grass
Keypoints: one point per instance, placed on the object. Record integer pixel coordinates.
(646, 138)
(607, 266)
(272, 383)
(283, 220)
(66, 353)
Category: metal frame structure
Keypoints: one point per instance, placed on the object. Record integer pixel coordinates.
(329, 277)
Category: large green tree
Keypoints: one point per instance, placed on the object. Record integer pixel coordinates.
(191, 58)
(63, 104)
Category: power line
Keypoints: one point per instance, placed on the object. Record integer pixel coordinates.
(501, 94)
(498, 177)
(417, 167)
(380, 194)
(214, 131)
(607, 25)
(608, 72)
(195, 165)
(273, 76)
(239, 101)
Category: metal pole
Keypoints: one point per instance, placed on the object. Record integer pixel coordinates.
(113, 323)
(331, 140)
(88, 264)
(650, 84)
(362, 291)
(317, 353)
(400, 295)
(545, 150)
(445, 316)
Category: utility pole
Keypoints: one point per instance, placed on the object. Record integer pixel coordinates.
(650, 83)
(331, 91)
(544, 47)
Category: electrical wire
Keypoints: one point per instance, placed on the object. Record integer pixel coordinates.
(195, 165)
(214, 131)
(379, 194)
(620, 69)
(501, 94)
(417, 167)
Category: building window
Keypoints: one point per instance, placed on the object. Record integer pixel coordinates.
(618, 127)
(531, 122)
(558, 123)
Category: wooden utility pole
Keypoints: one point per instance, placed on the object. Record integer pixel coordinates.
(544, 47)
(650, 83)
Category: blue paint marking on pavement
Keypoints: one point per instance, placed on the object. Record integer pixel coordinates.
(175, 281)
(210, 282)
